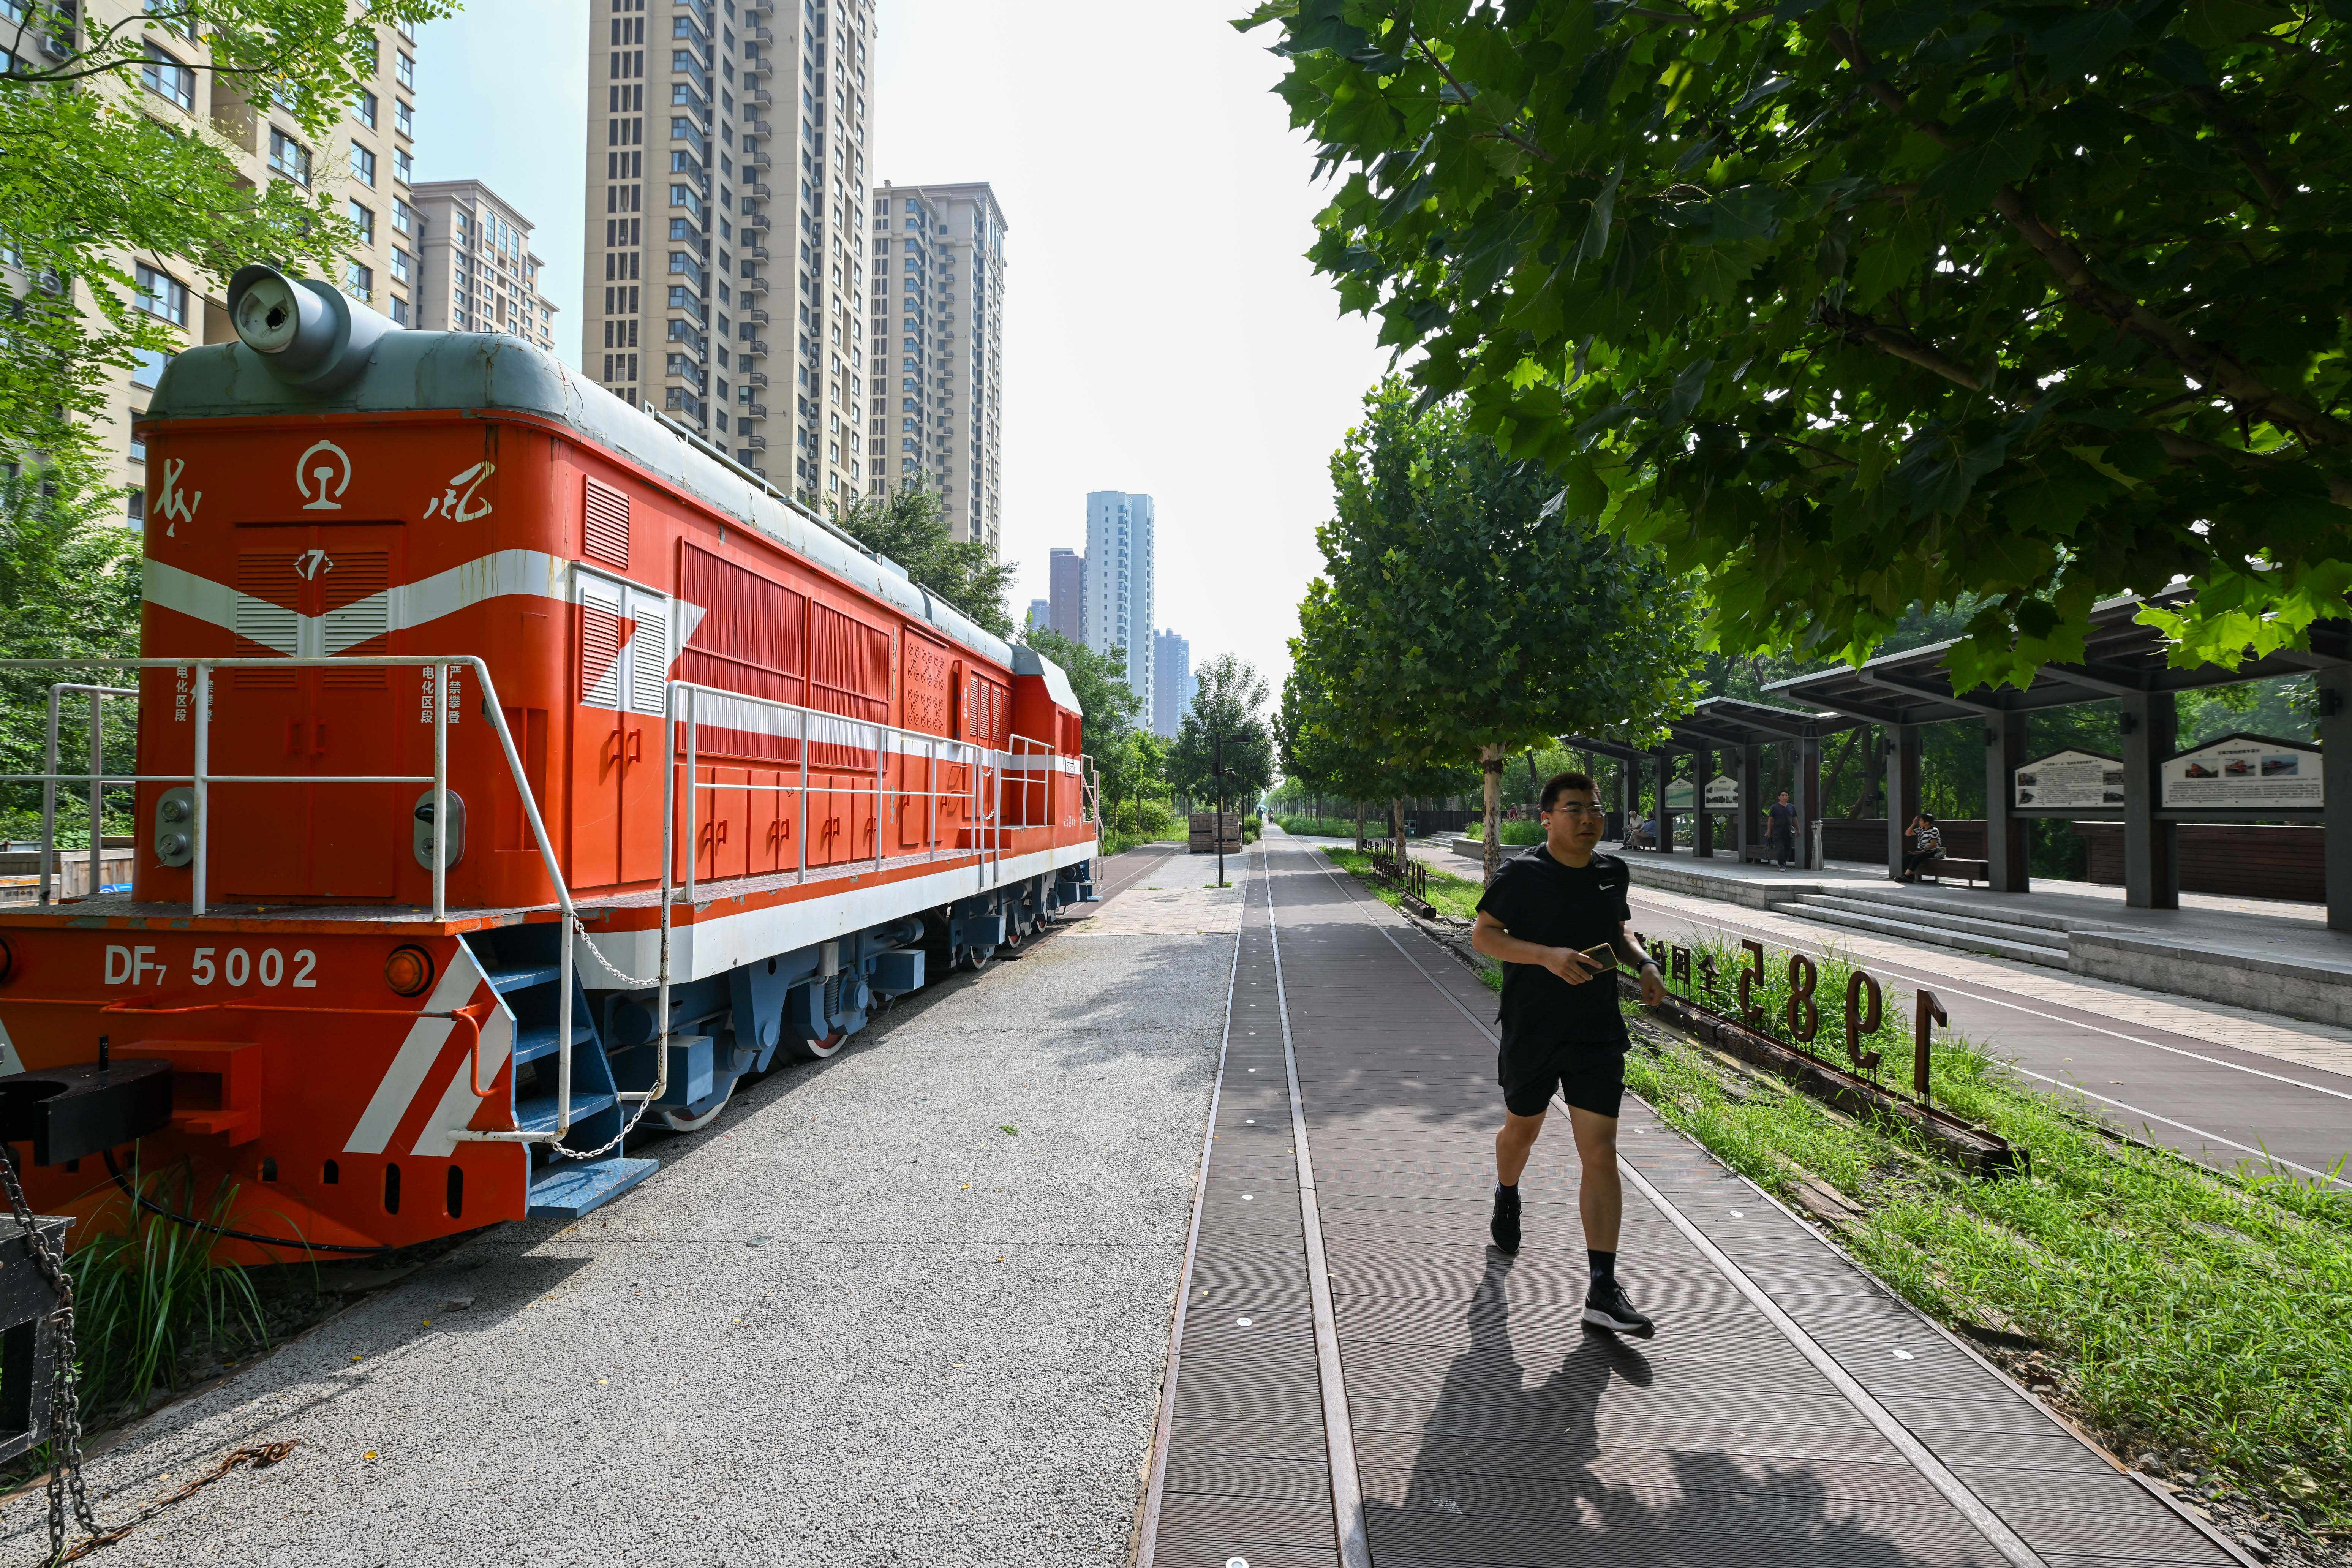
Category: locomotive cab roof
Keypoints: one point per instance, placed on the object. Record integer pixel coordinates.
(401, 370)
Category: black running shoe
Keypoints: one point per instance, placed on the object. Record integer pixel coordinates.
(1606, 1306)
(1505, 1227)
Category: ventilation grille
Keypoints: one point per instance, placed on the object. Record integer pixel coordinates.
(599, 652)
(267, 580)
(604, 535)
(359, 618)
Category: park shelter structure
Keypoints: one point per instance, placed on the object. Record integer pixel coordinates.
(2122, 660)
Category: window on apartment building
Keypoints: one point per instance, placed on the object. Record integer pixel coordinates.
(288, 157)
(400, 310)
(146, 368)
(399, 264)
(359, 281)
(403, 216)
(363, 164)
(403, 118)
(363, 220)
(407, 72)
(160, 294)
(364, 110)
(167, 78)
(403, 166)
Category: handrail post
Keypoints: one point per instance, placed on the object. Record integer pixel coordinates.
(97, 789)
(440, 673)
(931, 795)
(50, 798)
(693, 792)
(881, 733)
(202, 790)
(805, 778)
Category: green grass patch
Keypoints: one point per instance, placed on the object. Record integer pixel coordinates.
(1448, 894)
(1323, 826)
(2205, 1315)
(1512, 832)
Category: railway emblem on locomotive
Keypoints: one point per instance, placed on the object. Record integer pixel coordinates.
(307, 473)
(176, 505)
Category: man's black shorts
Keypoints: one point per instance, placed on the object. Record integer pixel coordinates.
(1588, 1077)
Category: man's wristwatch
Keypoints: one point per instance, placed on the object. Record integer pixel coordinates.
(1648, 963)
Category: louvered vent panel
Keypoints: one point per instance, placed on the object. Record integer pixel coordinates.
(599, 652)
(358, 621)
(648, 656)
(266, 581)
(604, 536)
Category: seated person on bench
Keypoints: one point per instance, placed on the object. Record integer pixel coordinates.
(1928, 847)
(1642, 835)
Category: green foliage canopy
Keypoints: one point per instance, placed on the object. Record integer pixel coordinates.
(1130, 763)
(91, 183)
(911, 528)
(1856, 307)
(1226, 727)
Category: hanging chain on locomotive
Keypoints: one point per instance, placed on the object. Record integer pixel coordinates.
(65, 1385)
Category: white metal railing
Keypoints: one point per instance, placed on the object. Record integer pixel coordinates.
(202, 777)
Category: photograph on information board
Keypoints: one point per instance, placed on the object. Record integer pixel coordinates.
(2244, 771)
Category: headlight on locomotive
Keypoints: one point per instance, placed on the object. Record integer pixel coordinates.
(409, 971)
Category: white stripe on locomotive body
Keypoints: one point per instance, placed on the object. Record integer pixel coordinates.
(437, 1140)
(413, 1063)
(530, 573)
(713, 944)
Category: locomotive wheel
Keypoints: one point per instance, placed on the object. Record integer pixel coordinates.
(686, 1121)
(978, 958)
(815, 1050)
(1013, 936)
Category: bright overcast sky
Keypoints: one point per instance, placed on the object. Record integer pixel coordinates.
(1162, 331)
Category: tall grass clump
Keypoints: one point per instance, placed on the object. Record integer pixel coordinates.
(1511, 832)
(2204, 1314)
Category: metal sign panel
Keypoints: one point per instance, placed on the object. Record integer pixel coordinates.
(2069, 781)
(1723, 793)
(2244, 771)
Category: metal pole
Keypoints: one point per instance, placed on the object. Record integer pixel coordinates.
(931, 796)
(96, 790)
(50, 799)
(693, 818)
(879, 737)
(202, 793)
(440, 673)
(1217, 823)
(804, 776)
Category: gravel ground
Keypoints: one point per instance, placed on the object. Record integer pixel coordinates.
(855, 1322)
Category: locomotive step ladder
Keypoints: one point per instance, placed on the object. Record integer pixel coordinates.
(563, 1188)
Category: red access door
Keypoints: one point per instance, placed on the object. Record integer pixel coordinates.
(617, 754)
(311, 589)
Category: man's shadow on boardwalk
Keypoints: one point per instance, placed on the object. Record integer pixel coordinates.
(1520, 1466)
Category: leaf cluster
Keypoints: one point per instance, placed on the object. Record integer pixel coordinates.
(1226, 728)
(1857, 308)
(910, 526)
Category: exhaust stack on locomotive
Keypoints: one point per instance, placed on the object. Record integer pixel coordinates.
(512, 767)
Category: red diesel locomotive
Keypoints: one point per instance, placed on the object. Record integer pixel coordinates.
(447, 653)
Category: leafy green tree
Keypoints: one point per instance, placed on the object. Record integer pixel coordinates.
(1328, 733)
(910, 528)
(1859, 307)
(1485, 619)
(1227, 730)
(91, 183)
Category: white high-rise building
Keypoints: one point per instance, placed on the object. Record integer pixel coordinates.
(939, 350)
(1118, 597)
(1172, 683)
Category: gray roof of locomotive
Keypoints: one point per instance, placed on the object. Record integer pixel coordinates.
(410, 371)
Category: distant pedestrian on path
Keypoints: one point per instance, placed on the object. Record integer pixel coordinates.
(1542, 917)
(1927, 842)
(1782, 833)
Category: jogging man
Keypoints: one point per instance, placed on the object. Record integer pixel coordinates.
(1561, 1028)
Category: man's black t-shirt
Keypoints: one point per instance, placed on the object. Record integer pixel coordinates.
(1542, 902)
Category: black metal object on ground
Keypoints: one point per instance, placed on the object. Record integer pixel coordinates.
(72, 1112)
(27, 1339)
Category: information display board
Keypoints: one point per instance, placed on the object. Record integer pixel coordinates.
(2245, 772)
(1723, 793)
(2069, 781)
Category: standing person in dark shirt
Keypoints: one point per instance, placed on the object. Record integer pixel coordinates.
(1561, 1026)
(1784, 830)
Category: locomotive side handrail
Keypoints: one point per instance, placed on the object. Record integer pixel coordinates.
(202, 778)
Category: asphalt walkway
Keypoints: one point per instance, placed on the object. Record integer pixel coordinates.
(1360, 1378)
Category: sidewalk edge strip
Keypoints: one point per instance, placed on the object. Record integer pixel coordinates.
(1164, 1428)
(1338, 1421)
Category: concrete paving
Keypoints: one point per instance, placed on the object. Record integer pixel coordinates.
(855, 1322)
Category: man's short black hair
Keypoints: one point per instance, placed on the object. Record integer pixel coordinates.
(1558, 781)
(1926, 817)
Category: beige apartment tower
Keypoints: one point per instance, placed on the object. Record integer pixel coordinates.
(475, 269)
(726, 184)
(939, 350)
(365, 161)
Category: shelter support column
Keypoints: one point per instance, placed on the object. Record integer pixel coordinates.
(1809, 798)
(1744, 818)
(1665, 774)
(2151, 858)
(1902, 746)
(1702, 824)
(2335, 783)
(2008, 836)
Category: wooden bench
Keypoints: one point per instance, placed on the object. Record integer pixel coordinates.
(1943, 866)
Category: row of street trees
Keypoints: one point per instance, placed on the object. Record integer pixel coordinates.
(1463, 617)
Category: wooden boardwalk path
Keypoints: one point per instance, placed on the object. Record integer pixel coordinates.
(1449, 1407)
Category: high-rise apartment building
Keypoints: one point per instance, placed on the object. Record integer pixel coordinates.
(1041, 615)
(725, 280)
(474, 269)
(1066, 582)
(939, 350)
(1172, 683)
(364, 162)
(1118, 594)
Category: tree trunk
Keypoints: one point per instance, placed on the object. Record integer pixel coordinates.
(1359, 822)
(1396, 826)
(1846, 753)
(1490, 763)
